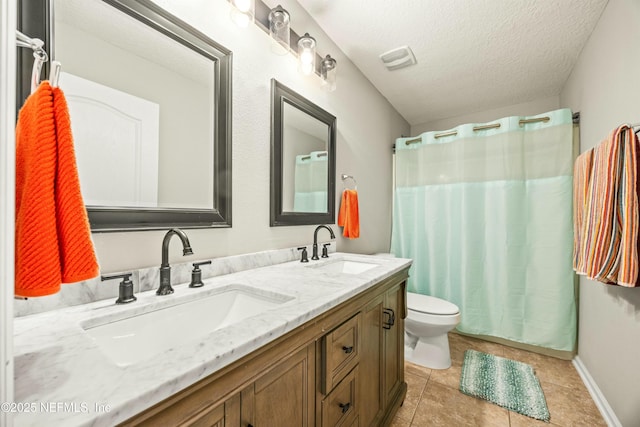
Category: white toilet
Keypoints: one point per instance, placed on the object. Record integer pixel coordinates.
(429, 319)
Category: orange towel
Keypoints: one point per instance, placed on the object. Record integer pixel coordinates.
(348, 216)
(53, 240)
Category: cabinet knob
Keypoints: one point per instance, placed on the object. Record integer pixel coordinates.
(345, 406)
(347, 349)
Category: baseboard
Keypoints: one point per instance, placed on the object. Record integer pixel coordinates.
(558, 354)
(601, 402)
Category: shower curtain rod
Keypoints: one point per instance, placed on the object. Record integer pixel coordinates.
(325, 154)
(481, 127)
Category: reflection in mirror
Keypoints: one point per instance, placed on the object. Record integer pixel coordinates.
(149, 100)
(305, 163)
(141, 118)
(302, 160)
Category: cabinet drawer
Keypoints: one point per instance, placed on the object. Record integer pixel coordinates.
(340, 352)
(340, 407)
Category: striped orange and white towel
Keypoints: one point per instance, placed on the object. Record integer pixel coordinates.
(606, 243)
(581, 177)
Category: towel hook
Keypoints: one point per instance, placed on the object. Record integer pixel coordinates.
(54, 73)
(39, 58)
(345, 177)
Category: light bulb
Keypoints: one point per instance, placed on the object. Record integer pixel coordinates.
(243, 12)
(306, 57)
(243, 5)
(307, 54)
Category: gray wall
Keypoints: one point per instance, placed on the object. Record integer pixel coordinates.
(367, 126)
(605, 86)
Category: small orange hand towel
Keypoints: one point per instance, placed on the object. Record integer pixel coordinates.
(53, 240)
(348, 216)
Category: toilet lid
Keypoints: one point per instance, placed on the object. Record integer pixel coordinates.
(430, 305)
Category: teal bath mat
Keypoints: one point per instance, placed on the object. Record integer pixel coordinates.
(507, 383)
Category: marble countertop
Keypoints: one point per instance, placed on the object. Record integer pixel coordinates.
(62, 377)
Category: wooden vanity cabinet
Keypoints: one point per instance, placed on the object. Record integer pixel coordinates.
(343, 368)
(383, 343)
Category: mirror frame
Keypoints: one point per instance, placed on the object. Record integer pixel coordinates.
(281, 94)
(105, 218)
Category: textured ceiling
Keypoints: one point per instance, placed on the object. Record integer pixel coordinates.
(473, 55)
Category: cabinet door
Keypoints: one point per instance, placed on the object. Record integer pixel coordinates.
(371, 364)
(382, 356)
(284, 396)
(393, 326)
(225, 415)
(193, 411)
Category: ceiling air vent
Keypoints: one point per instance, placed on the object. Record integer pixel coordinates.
(398, 58)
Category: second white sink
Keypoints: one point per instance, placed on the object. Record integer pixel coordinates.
(347, 266)
(136, 338)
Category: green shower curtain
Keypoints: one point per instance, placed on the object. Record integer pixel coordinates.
(310, 185)
(486, 215)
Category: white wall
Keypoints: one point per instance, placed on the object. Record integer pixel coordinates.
(530, 108)
(366, 128)
(7, 198)
(605, 86)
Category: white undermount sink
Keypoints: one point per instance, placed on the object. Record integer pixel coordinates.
(346, 266)
(139, 337)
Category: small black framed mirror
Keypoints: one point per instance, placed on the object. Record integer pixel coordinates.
(303, 160)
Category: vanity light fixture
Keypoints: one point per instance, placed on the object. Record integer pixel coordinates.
(279, 30)
(307, 54)
(328, 73)
(243, 12)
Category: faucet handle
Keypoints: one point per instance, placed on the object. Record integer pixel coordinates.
(125, 289)
(325, 251)
(196, 274)
(196, 265)
(305, 256)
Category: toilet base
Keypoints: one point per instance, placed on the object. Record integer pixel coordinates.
(430, 352)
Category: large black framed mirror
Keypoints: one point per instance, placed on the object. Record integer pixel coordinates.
(150, 104)
(303, 160)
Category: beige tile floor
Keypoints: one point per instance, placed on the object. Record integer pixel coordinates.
(433, 398)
